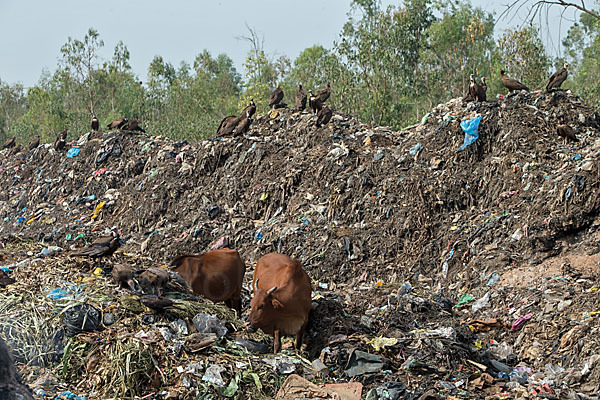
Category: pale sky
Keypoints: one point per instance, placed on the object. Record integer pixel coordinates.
(33, 31)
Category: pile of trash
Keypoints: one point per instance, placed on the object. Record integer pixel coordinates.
(455, 258)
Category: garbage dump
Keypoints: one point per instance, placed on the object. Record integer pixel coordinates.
(457, 258)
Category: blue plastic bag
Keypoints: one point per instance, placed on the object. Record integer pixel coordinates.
(73, 152)
(471, 135)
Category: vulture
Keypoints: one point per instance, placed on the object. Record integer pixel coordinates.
(154, 280)
(15, 150)
(557, 78)
(300, 98)
(276, 97)
(118, 123)
(565, 131)
(123, 275)
(314, 103)
(473, 88)
(102, 246)
(5, 280)
(33, 144)
(61, 140)
(95, 123)
(251, 108)
(510, 83)
(9, 143)
(323, 94)
(324, 115)
(133, 125)
(228, 124)
(243, 125)
(158, 303)
(481, 90)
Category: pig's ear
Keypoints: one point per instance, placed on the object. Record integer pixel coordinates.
(276, 304)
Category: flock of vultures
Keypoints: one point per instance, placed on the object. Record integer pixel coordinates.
(238, 125)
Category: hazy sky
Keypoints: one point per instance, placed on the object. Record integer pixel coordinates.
(33, 31)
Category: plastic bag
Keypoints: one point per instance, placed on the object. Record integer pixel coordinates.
(81, 318)
(206, 323)
(470, 127)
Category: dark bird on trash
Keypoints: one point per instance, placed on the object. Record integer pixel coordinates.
(61, 140)
(557, 78)
(276, 97)
(216, 275)
(158, 303)
(133, 125)
(324, 94)
(481, 90)
(227, 125)
(95, 123)
(282, 298)
(16, 149)
(33, 144)
(314, 103)
(123, 275)
(300, 98)
(565, 131)
(154, 280)
(118, 123)
(243, 125)
(9, 143)
(324, 115)
(5, 280)
(473, 88)
(510, 83)
(103, 246)
(250, 108)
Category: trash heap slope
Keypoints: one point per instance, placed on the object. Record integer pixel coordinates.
(345, 199)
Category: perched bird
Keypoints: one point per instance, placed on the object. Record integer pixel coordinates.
(102, 246)
(324, 115)
(300, 98)
(565, 131)
(473, 88)
(314, 103)
(16, 149)
(482, 89)
(117, 123)
(133, 125)
(158, 303)
(510, 83)
(123, 275)
(61, 140)
(557, 78)
(33, 144)
(243, 125)
(276, 97)
(5, 280)
(95, 123)
(251, 108)
(324, 94)
(227, 125)
(9, 143)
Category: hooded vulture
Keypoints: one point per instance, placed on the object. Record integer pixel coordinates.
(565, 131)
(314, 103)
(324, 94)
(118, 123)
(102, 246)
(9, 143)
(61, 140)
(95, 123)
(276, 97)
(510, 83)
(243, 125)
(227, 125)
(557, 78)
(300, 98)
(324, 115)
(33, 144)
(251, 108)
(133, 125)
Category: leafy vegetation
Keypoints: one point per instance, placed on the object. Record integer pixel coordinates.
(388, 67)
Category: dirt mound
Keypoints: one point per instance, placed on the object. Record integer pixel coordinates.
(365, 209)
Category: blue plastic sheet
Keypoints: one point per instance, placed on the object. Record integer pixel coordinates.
(73, 152)
(470, 127)
(70, 396)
